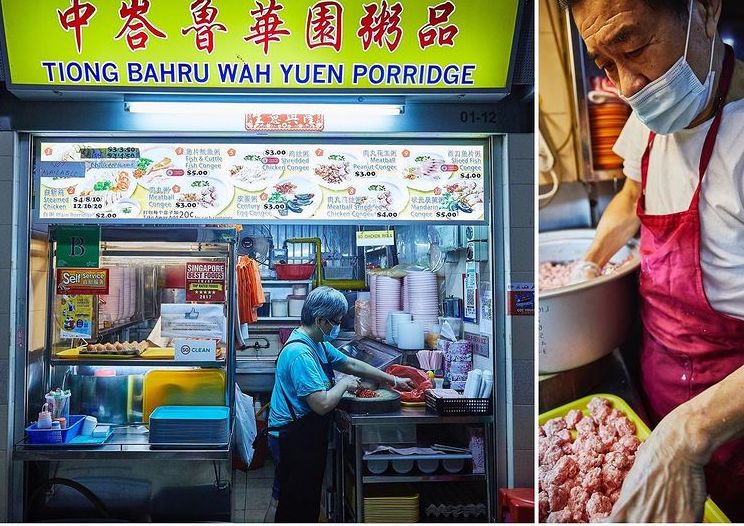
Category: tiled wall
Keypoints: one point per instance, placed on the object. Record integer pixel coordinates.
(7, 162)
(520, 188)
(556, 103)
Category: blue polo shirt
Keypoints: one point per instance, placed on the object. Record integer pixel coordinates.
(299, 373)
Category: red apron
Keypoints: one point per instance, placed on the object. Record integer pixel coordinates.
(687, 345)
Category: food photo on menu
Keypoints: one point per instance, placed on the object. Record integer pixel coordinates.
(641, 319)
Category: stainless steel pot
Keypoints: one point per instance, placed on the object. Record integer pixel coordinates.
(581, 323)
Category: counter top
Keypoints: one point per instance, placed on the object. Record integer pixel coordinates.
(409, 415)
(126, 443)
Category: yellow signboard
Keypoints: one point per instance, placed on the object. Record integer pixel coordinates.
(261, 44)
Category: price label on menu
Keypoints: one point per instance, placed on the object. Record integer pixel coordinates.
(162, 182)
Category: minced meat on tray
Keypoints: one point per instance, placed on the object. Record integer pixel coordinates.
(580, 478)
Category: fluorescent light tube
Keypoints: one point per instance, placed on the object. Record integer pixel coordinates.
(212, 108)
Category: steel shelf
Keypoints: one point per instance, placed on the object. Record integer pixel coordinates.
(131, 362)
(126, 443)
(287, 282)
(279, 318)
(402, 479)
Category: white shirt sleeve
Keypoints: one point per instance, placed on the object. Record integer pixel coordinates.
(630, 146)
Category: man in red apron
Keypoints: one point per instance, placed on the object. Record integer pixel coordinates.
(684, 85)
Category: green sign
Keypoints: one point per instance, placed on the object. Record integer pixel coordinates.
(261, 44)
(78, 247)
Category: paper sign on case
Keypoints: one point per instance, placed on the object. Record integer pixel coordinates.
(375, 238)
(195, 350)
(78, 246)
(77, 281)
(205, 282)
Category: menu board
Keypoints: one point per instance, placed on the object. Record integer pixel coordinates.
(161, 182)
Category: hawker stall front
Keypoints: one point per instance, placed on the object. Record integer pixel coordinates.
(175, 220)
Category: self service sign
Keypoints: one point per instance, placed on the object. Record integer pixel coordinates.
(261, 44)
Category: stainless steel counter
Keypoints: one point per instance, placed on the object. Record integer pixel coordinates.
(351, 479)
(126, 443)
(409, 415)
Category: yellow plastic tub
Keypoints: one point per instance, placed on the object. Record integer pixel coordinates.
(712, 514)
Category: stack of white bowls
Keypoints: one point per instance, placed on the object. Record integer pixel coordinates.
(128, 293)
(111, 303)
(387, 300)
(405, 298)
(410, 335)
(373, 305)
(423, 288)
(395, 319)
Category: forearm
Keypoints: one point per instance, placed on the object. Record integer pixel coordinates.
(323, 402)
(618, 224)
(716, 415)
(366, 371)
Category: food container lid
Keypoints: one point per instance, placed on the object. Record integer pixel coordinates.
(296, 297)
(277, 300)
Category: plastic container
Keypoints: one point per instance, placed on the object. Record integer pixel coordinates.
(402, 466)
(45, 418)
(453, 465)
(55, 436)
(377, 467)
(89, 424)
(410, 336)
(294, 271)
(427, 466)
(264, 311)
(299, 289)
(279, 308)
(295, 305)
(712, 513)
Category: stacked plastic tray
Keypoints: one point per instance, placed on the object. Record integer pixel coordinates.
(391, 505)
(202, 426)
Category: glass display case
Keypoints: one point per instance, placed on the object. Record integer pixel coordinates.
(151, 325)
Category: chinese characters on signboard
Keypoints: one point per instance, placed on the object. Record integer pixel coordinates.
(321, 44)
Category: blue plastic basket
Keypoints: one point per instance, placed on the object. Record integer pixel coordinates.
(55, 436)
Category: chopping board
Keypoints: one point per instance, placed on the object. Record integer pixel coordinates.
(386, 401)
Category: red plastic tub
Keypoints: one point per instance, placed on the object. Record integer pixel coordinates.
(294, 271)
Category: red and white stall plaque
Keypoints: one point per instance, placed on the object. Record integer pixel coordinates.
(205, 281)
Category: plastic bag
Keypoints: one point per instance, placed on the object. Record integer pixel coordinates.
(362, 315)
(245, 425)
(419, 378)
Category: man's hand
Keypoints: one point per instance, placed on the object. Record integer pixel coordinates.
(666, 483)
(403, 384)
(584, 271)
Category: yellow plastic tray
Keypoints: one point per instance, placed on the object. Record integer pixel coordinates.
(712, 514)
(191, 387)
(154, 353)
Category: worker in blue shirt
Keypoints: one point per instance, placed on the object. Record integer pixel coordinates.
(304, 397)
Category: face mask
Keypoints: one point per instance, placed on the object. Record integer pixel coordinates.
(335, 331)
(671, 102)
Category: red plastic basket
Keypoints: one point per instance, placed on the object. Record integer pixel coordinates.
(294, 271)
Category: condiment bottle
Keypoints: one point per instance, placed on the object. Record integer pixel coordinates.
(45, 418)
